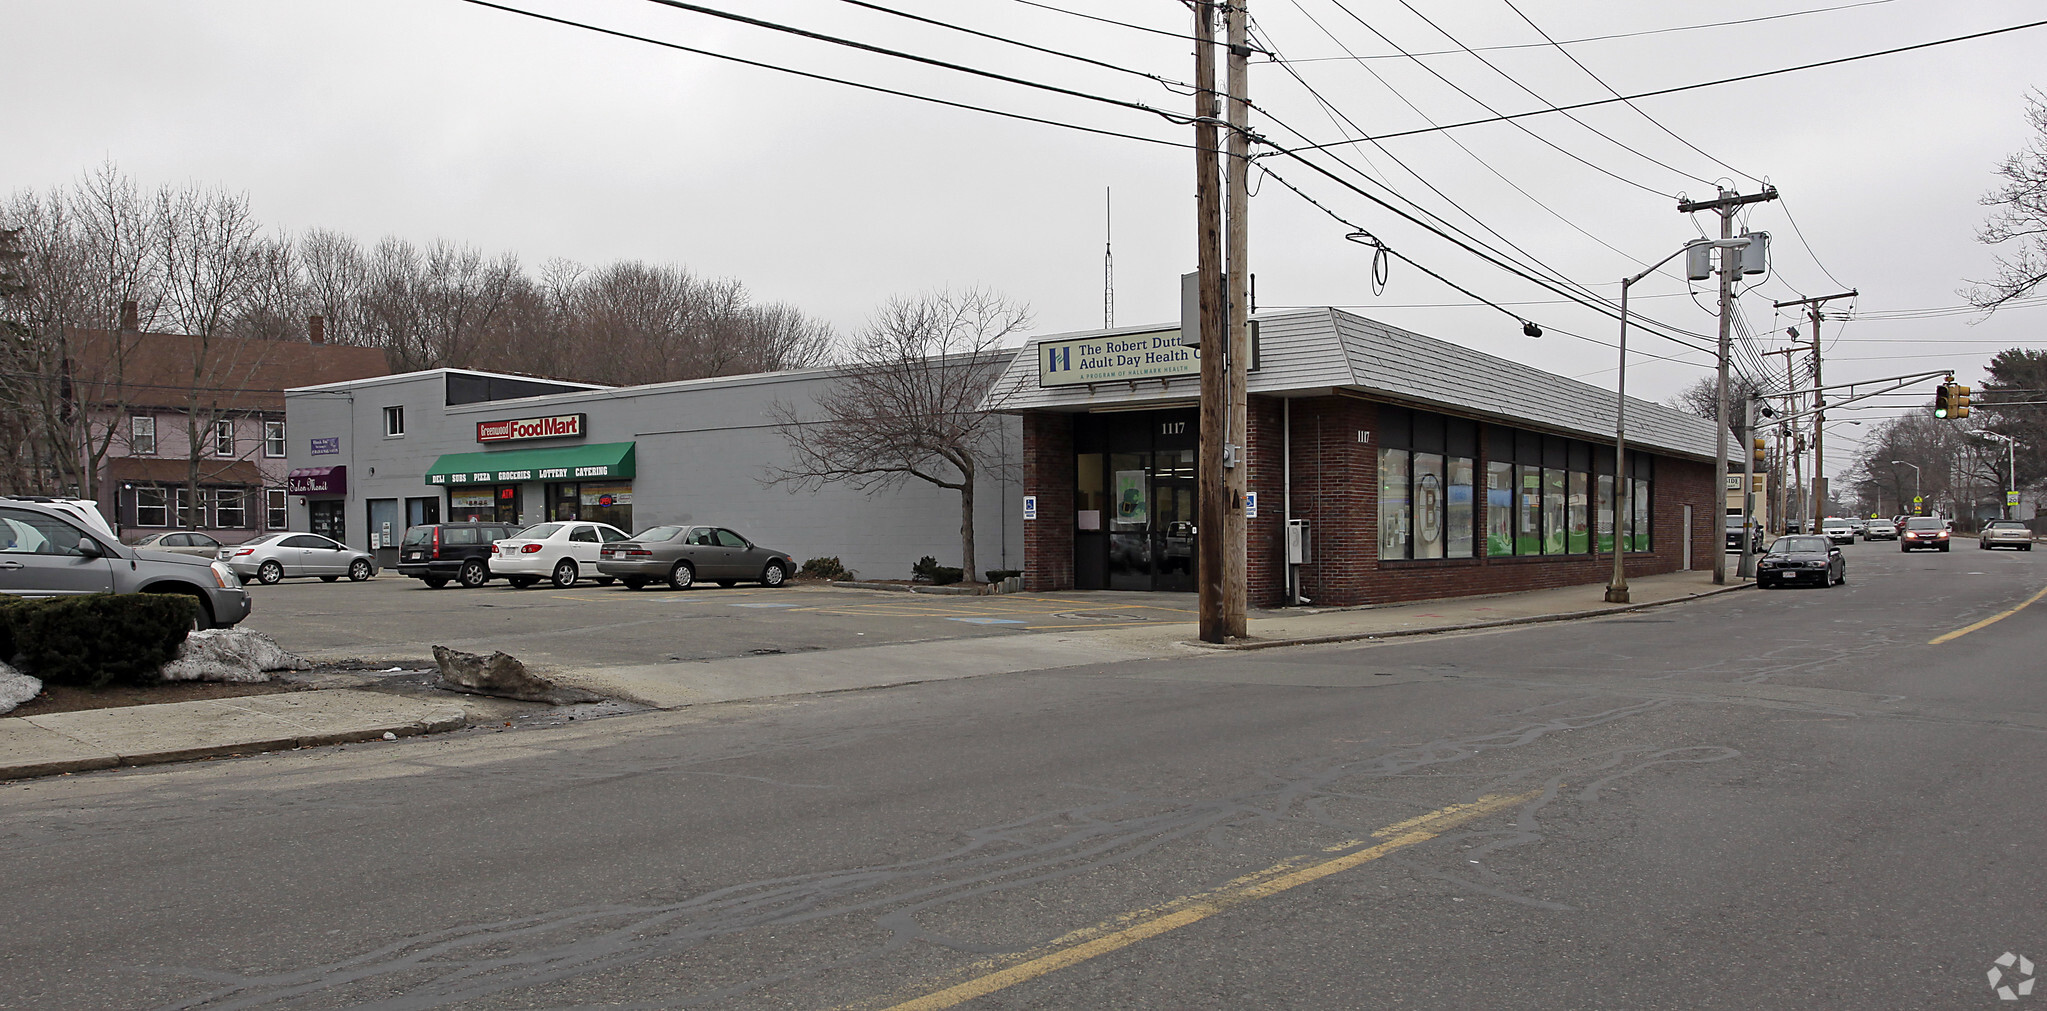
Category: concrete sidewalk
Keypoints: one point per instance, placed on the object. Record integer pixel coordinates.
(139, 735)
(178, 731)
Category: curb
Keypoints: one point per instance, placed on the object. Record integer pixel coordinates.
(453, 719)
(955, 591)
(1534, 619)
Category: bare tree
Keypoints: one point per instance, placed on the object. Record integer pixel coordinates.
(213, 265)
(2018, 216)
(1702, 397)
(908, 403)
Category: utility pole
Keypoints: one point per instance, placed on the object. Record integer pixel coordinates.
(1236, 475)
(1215, 458)
(1781, 466)
(1726, 204)
(1748, 487)
(1819, 416)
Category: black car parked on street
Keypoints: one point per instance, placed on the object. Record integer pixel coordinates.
(439, 552)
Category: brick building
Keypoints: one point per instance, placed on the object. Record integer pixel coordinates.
(1418, 468)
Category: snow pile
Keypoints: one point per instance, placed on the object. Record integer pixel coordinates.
(229, 654)
(16, 688)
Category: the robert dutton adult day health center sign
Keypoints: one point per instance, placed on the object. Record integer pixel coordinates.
(1153, 355)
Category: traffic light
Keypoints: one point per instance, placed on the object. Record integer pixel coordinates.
(1762, 456)
(1958, 398)
(1944, 400)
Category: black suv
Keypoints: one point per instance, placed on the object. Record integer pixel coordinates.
(438, 552)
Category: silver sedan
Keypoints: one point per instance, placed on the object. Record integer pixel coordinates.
(182, 542)
(272, 557)
(683, 555)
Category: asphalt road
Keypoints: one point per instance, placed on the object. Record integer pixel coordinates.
(1762, 799)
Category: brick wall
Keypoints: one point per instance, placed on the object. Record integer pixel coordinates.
(1048, 474)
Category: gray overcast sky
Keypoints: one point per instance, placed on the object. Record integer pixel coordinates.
(438, 118)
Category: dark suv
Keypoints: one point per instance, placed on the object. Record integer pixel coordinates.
(438, 552)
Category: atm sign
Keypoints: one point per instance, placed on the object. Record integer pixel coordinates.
(561, 426)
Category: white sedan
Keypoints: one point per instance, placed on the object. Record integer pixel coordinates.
(560, 552)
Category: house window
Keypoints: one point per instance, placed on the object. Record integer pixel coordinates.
(230, 508)
(273, 439)
(142, 436)
(181, 497)
(224, 438)
(394, 422)
(273, 501)
(149, 506)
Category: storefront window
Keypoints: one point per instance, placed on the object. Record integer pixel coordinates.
(1499, 511)
(1393, 503)
(1428, 505)
(1091, 496)
(1457, 479)
(1577, 502)
(608, 503)
(1640, 508)
(484, 504)
(1553, 532)
(1605, 513)
(1528, 510)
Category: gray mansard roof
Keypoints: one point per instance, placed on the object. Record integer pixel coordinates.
(1324, 350)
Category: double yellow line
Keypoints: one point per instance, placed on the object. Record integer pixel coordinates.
(1992, 620)
(1130, 928)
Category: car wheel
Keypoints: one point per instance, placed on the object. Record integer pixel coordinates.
(202, 615)
(359, 570)
(269, 573)
(521, 582)
(329, 579)
(682, 576)
(565, 573)
(473, 574)
(631, 583)
(774, 574)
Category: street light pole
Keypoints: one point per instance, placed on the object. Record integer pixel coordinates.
(2011, 468)
(1915, 483)
(1617, 587)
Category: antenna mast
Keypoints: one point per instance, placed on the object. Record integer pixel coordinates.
(1108, 262)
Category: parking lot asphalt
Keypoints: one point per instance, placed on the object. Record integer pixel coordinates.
(393, 618)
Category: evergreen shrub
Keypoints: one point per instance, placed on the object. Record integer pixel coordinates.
(95, 640)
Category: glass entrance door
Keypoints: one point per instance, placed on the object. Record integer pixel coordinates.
(1152, 533)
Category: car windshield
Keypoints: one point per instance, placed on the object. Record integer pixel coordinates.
(538, 531)
(1925, 523)
(663, 533)
(1799, 546)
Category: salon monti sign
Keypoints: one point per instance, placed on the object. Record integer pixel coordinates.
(560, 426)
(1153, 355)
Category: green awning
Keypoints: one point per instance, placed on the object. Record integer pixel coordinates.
(558, 463)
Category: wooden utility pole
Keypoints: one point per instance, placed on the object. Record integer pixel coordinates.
(1215, 456)
(1236, 470)
(1783, 453)
(1726, 204)
(1819, 414)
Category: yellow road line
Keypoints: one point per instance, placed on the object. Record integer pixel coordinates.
(1992, 620)
(1130, 928)
(1079, 627)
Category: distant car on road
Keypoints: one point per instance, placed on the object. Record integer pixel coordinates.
(1858, 523)
(46, 551)
(562, 552)
(435, 553)
(1734, 535)
(273, 557)
(1880, 530)
(2005, 534)
(183, 542)
(682, 555)
(1837, 530)
(1923, 532)
(1804, 558)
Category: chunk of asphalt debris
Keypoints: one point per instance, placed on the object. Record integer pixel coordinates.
(502, 676)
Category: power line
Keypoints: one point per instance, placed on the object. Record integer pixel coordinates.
(1340, 5)
(1612, 91)
(1108, 21)
(1090, 61)
(1693, 87)
(826, 78)
(928, 61)
(1600, 38)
